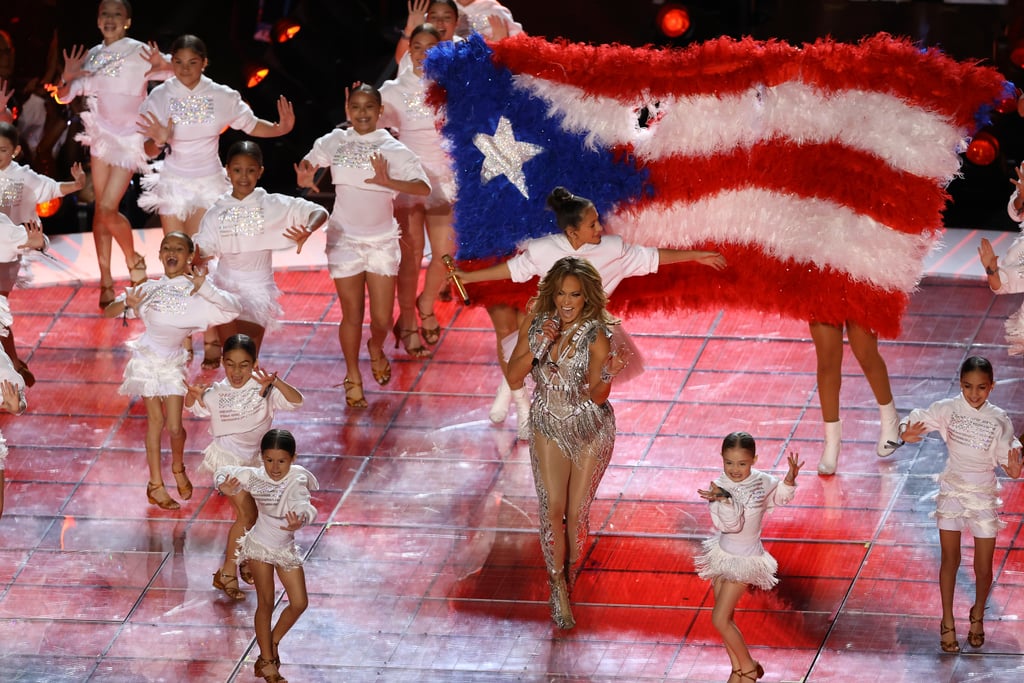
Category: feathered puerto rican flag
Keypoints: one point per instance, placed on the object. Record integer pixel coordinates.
(818, 171)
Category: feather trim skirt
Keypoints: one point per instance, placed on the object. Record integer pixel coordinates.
(173, 195)
(150, 374)
(1014, 327)
(754, 570)
(272, 546)
(216, 456)
(112, 148)
(258, 294)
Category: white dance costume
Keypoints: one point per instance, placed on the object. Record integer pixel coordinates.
(473, 17)
(1011, 281)
(978, 440)
(406, 110)
(243, 233)
(238, 420)
(115, 87)
(171, 313)
(7, 371)
(191, 176)
(735, 553)
(267, 541)
(362, 234)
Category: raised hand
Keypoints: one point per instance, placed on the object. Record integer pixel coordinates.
(987, 255)
(151, 53)
(264, 378)
(294, 522)
(285, 115)
(11, 396)
(794, 467)
(299, 235)
(914, 432)
(197, 276)
(417, 14)
(713, 492)
(150, 126)
(380, 170)
(305, 174)
(499, 29)
(73, 62)
(194, 393)
(35, 239)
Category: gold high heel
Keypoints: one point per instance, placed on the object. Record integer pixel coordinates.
(137, 271)
(166, 503)
(184, 488)
(431, 335)
(404, 337)
(976, 639)
(382, 375)
(229, 584)
(754, 674)
(352, 399)
(260, 669)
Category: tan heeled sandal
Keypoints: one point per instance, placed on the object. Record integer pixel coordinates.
(229, 584)
(260, 669)
(137, 271)
(976, 639)
(182, 480)
(165, 502)
(354, 397)
(947, 646)
(754, 674)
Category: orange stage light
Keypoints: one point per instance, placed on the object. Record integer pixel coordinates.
(285, 30)
(983, 150)
(673, 20)
(255, 74)
(48, 208)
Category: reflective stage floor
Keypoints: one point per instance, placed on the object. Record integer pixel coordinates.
(424, 563)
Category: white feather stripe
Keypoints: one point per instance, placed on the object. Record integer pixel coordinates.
(908, 138)
(785, 227)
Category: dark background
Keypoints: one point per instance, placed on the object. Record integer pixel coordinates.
(342, 41)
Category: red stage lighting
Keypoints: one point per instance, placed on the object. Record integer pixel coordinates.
(983, 150)
(285, 30)
(254, 74)
(673, 20)
(1017, 53)
(48, 208)
(1007, 104)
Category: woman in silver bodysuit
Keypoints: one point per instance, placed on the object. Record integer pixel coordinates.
(565, 343)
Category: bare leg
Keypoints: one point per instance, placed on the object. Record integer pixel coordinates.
(154, 432)
(984, 549)
(173, 406)
(442, 241)
(109, 224)
(245, 517)
(949, 542)
(410, 222)
(727, 595)
(864, 345)
(350, 330)
(263, 580)
(294, 582)
(828, 346)
(381, 292)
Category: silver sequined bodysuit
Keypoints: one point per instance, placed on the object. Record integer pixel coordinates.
(583, 430)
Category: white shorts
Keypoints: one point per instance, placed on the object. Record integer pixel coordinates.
(348, 256)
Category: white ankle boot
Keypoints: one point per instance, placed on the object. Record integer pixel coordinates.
(522, 402)
(502, 400)
(890, 429)
(830, 454)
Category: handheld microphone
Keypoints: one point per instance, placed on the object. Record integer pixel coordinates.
(537, 357)
(449, 263)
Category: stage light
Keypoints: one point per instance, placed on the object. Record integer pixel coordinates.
(983, 150)
(1017, 53)
(48, 208)
(1007, 104)
(254, 74)
(673, 20)
(285, 30)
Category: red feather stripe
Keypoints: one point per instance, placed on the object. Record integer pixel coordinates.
(793, 290)
(881, 63)
(831, 171)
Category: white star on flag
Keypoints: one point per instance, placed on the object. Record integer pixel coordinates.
(503, 155)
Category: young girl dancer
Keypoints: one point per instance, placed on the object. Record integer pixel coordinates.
(443, 15)
(980, 438)
(183, 118)
(582, 236)
(734, 558)
(406, 110)
(183, 301)
(242, 228)
(241, 408)
(368, 169)
(21, 189)
(113, 77)
(566, 344)
(281, 491)
(12, 394)
(1009, 279)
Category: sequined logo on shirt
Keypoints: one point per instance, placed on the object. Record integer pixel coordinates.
(415, 106)
(171, 297)
(105, 64)
(11, 191)
(191, 110)
(246, 221)
(267, 492)
(238, 405)
(354, 154)
(973, 432)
